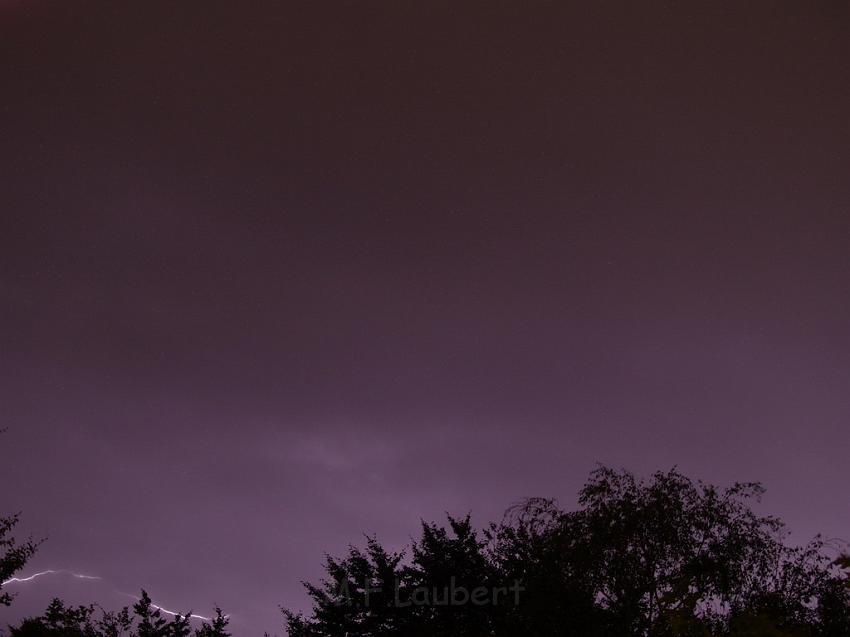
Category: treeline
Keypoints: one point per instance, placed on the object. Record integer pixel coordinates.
(144, 620)
(666, 557)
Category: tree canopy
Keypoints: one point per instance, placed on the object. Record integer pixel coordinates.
(14, 555)
(667, 557)
(664, 557)
(144, 620)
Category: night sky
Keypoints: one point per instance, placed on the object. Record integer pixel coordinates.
(275, 276)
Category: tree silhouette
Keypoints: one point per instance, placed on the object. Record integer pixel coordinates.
(151, 623)
(668, 557)
(58, 621)
(218, 627)
(145, 620)
(14, 555)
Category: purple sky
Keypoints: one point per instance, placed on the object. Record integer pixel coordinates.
(275, 277)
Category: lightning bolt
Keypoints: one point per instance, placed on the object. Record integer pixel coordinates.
(15, 580)
(171, 612)
(50, 571)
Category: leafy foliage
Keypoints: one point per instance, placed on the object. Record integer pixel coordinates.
(14, 555)
(668, 557)
(145, 620)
